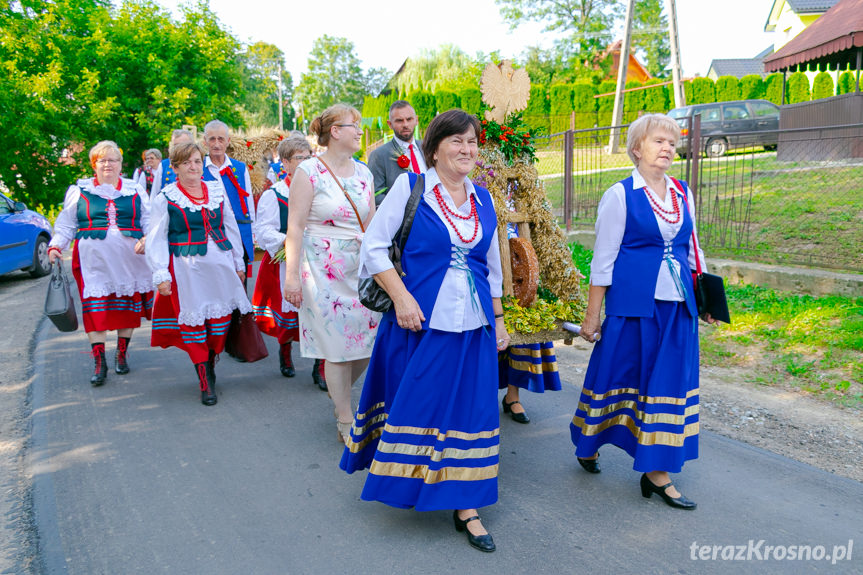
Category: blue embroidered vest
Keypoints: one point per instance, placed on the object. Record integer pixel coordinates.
(93, 216)
(636, 269)
(244, 218)
(188, 231)
(168, 175)
(426, 260)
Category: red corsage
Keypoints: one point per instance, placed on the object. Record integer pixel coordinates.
(248, 144)
(403, 161)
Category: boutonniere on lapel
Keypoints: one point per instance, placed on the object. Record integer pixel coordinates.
(403, 161)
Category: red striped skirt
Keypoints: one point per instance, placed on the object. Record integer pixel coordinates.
(267, 304)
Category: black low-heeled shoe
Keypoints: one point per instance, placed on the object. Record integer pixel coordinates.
(648, 488)
(590, 465)
(519, 417)
(481, 542)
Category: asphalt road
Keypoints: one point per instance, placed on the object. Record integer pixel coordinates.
(138, 477)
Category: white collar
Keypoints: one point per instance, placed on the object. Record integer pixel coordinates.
(432, 179)
(404, 145)
(215, 194)
(281, 188)
(208, 162)
(638, 182)
(127, 188)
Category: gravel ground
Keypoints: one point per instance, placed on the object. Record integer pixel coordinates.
(783, 421)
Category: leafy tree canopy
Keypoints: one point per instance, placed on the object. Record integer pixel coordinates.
(335, 75)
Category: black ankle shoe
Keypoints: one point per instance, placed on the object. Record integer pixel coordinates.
(519, 417)
(318, 375)
(100, 371)
(648, 488)
(208, 387)
(481, 542)
(590, 465)
(121, 364)
(286, 364)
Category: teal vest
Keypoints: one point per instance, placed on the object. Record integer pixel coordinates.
(188, 231)
(93, 216)
(283, 214)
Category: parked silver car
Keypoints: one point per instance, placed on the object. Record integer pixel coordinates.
(729, 125)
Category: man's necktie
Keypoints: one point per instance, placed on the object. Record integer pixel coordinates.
(414, 165)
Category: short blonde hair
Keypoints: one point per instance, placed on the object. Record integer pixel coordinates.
(102, 149)
(642, 127)
(182, 152)
(290, 146)
(322, 124)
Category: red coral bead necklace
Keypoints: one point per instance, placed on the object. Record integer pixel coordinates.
(447, 212)
(660, 210)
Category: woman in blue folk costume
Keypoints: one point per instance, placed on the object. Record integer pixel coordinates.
(641, 387)
(427, 422)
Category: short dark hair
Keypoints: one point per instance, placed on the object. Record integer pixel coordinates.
(398, 104)
(444, 125)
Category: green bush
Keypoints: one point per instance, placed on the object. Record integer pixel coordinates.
(446, 100)
(822, 86)
(633, 102)
(727, 89)
(701, 91)
(471, 100)
(751, 87)
(656, 99)
(773, 88)
(605, 104)
(847, 83)
(560, 107)
(584, 104)
(536, 113)
(425, 106)
(797, 89)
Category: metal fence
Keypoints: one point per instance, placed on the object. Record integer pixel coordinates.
(797, 200)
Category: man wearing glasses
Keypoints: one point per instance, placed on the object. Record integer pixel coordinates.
(402, 154)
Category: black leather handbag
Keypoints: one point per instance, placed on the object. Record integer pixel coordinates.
(371, 294)
(59, 305)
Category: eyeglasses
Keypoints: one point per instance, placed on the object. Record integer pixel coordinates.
(356, 127)
(105, 161)
(300, 158)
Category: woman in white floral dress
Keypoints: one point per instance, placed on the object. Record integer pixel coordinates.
(325, 225)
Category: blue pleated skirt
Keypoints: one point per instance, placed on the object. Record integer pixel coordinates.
(531, 366)
(641, 390)
(427, 425)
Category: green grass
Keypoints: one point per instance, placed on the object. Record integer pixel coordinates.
(812, 344)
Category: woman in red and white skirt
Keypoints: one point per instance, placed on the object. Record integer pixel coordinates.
(274, 315)
(106, 215)
(195, 252)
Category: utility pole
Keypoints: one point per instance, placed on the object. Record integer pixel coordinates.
(677, 86)
(281, 103)
(622, 69)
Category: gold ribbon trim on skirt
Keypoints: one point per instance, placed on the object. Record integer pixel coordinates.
(391, 469)
(643, 438)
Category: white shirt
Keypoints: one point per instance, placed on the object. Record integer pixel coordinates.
(247, 183)
(611, 224)
(267, 224)
(157, 181)
(404, 146)
(453, 309)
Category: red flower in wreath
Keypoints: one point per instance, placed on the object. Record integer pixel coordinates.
(403, 161)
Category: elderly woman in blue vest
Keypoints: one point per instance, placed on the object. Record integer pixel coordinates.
(164, 175)
(427, 423)
(106, 215)
(196, 256)
(641, 388)
(236, 181)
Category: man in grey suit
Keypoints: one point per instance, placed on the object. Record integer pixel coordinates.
(400, 155)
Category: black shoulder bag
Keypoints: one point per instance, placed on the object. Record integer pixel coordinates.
(372, 295)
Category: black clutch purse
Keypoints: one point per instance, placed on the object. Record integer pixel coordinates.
(371, 294)
(709, 288)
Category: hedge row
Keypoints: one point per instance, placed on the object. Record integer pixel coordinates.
(551, 109)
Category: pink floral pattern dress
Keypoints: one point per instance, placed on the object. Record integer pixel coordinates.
(334, 325)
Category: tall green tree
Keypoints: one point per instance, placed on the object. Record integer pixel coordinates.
(445, 67)
(264, 67)
(589, 22)
(77, 71)
(650, 36)
(335, 75)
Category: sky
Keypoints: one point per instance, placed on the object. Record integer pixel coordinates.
(385, 32)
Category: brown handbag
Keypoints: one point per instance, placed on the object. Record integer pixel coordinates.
(245, 341)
